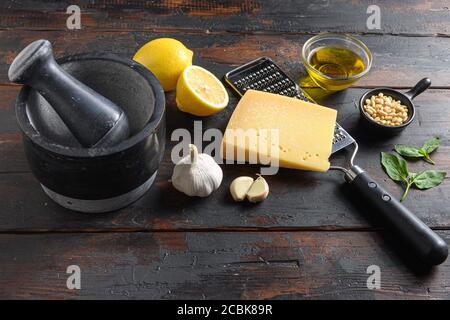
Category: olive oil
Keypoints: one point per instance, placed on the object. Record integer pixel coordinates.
(337, 67)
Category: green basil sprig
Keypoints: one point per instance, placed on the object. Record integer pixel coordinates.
(422, 152)
(397, 169)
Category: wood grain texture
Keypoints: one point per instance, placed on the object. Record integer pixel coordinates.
(279, 265)
(297, 199)
(250, 16)
(311, 239)
(398, 61)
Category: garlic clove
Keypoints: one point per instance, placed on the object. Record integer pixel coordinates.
(258, 191)
(239, 187)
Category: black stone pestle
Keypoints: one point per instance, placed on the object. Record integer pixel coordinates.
(94, 120)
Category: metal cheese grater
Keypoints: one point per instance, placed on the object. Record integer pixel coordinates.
(264, 75)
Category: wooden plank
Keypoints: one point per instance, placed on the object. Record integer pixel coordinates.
(10, 138)
(407, 17)
(297, 199)
(282, 265)
(398, 61)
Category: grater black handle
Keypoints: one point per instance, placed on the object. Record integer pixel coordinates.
(421, 241)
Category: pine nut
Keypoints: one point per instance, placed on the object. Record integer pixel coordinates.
(385, 110)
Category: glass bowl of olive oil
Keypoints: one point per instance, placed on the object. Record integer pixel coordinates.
(336, 61)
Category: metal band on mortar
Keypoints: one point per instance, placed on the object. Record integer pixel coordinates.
(101, 205)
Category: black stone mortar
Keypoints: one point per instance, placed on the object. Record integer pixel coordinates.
(97, 179)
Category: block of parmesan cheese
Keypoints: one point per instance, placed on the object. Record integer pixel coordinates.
(269, 127)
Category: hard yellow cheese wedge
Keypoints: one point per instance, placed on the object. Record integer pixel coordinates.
(305, 131)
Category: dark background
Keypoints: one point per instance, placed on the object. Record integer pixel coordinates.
(310, 239)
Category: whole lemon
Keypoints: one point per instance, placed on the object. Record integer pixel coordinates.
(166, 58)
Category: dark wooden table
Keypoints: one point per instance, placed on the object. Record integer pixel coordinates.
(310, 239)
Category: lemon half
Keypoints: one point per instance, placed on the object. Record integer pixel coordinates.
(200, 93)
(166, 58)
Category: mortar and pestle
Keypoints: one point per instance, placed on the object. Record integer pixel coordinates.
(93, 126)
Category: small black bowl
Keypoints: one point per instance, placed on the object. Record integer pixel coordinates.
(405, 99)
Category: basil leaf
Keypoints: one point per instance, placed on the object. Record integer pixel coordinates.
(408, 151)
(426, 156)
(395, 167)
(422, 152)
(431, 145)
(429, 179)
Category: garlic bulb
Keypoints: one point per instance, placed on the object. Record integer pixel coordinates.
(197, 174)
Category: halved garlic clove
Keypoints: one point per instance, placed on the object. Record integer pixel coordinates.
(239, 187)
(258, 191)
